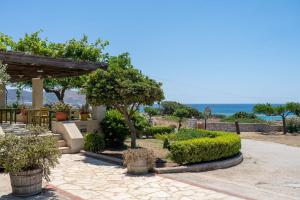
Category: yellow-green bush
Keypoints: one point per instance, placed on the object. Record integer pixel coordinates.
(151, 131)
(213, 146)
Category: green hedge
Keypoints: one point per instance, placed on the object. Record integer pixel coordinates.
(206, 146)
(185, 134)
(94, 142)
(151, 131)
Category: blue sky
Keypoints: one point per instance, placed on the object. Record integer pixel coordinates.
(202, 51)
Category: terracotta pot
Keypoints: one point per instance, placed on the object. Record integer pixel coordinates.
(139, 166)
(61, 116)
(26, 183)
(84, 116)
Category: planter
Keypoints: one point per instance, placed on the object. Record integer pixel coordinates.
(26, 183)
(61, 116)
(139, 166)
(138, 161)
(84, 116)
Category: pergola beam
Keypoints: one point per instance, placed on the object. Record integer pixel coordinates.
(24, 67)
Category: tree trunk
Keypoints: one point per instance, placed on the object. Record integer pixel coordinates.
(132, 130)
(284, 125)
(179, 126)
(60, 94)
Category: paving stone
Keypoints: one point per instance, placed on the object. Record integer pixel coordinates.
(89, 178)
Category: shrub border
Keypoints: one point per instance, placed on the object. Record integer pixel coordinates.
(200, 167)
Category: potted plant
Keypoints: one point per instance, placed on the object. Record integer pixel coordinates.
(84, 112)
(138, 161)
(61, 111)
(28, 159)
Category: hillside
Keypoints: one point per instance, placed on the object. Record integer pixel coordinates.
(71, 97)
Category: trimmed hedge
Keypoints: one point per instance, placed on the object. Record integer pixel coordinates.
(206, 146)
(185, 134)
(151, 131)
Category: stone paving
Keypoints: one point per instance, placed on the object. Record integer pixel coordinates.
(89, 178)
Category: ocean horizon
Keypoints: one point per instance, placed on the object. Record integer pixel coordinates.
(226, 109)
(230, 109)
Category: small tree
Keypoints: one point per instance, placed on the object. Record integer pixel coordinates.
(124, 88)
(282, 110)
(181, 113)
(151, 111)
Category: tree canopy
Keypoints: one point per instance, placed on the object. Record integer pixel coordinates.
(181, 113)
(80, 50)
(281, 110)
(124, 88)
(151, 111)
(169, 107)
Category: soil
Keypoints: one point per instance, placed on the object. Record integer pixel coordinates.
(276, 137)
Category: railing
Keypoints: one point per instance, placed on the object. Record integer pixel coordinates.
(39, 117)
(30, 116)
(8, 115)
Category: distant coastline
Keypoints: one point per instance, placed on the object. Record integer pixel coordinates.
(230, 109)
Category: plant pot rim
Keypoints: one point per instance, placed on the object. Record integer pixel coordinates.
(25, 172)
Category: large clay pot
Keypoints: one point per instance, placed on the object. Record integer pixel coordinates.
(84, 116)
(61, 116)
(139, 166)
(26, 183)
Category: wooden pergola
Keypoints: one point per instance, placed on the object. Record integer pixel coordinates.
(27, 67)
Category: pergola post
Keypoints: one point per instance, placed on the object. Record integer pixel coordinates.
(37, 93)
(2, 95)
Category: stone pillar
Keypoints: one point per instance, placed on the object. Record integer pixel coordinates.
(2, 95)
(37, 93)
(98, 112)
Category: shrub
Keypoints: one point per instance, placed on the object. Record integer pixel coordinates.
(192, 146)
(114, 128)
(61, 107)
(293, 124)
(151, 131)
(244, 115)
(94, 142)
(27, 153)
(185, 134)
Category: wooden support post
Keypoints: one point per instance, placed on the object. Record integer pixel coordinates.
(237, 127)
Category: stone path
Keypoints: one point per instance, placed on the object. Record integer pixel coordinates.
(89, 178)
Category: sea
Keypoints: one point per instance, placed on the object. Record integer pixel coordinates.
(230, 109)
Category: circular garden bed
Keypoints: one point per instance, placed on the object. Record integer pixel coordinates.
(190, 146)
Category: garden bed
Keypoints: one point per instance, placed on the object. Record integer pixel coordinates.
(189, 150)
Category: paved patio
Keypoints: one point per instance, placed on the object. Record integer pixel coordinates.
(89, 178)
(79, 177)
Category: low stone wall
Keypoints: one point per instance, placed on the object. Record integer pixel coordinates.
(244, 127)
